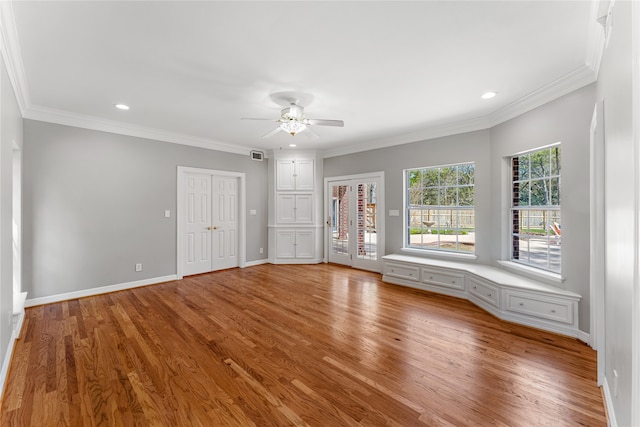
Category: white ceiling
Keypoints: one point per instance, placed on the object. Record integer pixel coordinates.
(393, 71)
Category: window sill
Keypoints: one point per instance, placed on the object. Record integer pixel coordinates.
(532, 271)
(438, 254)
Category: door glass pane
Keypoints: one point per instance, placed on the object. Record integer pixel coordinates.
(366, 224)
(340, 219)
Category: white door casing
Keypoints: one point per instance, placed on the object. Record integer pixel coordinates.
(354, 226)
(233, 222)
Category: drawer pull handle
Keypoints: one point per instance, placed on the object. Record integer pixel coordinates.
(475, 287)
(430, 277)
(553, 311)
(521, 304)
(489, 295)
(410, 274)
(453, 281)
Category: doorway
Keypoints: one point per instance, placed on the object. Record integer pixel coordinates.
(211, 222)
(355, 224)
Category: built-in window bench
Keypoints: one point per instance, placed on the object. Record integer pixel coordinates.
(506, 295)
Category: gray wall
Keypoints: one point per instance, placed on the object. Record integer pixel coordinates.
(472, 146)
(566, 119)
(10, 135)
(615, 88)
(94, 206)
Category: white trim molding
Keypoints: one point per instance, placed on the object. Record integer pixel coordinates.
(635, 304)
(608, 404)
(256, 262)
(85, 121)
(97, 291)
(12, 56)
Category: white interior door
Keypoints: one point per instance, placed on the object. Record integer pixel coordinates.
(210, 222)
(197, 218)
(355, 233)
(224, 222)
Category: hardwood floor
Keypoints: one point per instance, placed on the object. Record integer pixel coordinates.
(275, 345)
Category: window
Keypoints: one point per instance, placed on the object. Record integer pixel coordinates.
(440, 208)
(536, 226)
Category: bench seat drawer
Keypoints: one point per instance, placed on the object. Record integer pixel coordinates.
(441, 278)
(401, 271)
(485, 291)
(540, 306)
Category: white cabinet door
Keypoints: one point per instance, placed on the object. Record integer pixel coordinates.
(304, 208)
(294, 208)
(285, 175)
(285, 244)
(285, 208)
(295, 243)
(304, 243)
(295, 174)
(304, 174)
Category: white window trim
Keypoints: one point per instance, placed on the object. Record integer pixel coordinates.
(405, 226)
(534, 272)
(508, 261)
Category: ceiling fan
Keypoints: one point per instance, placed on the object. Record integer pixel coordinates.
(293, 121)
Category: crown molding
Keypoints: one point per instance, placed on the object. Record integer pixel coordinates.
(554, 90)
(599, 22)
(434, 131)
(566, 84)
(61, 117)
(10, 48)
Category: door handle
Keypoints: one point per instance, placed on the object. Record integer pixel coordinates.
(212, 228)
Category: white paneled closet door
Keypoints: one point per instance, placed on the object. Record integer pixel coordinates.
(197, 238)
(225, 222)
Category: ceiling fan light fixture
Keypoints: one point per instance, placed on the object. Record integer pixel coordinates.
(292, 126)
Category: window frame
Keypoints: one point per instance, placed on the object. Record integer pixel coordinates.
(551, 211)
(407, 209)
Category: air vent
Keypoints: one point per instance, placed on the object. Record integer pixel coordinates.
(257, 155)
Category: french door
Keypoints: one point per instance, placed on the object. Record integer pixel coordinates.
(355, 234)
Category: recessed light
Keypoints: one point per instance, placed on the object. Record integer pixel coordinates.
(488, 95)
(122, 106)
(292, 145)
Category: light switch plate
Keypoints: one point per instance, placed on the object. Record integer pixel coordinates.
(252, 212)
(394, 212)
(167, 213)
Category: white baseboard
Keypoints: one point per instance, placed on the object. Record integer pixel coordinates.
(18, 319)
(608, 403)
(97, 291)
(584, 337)
(257, 262)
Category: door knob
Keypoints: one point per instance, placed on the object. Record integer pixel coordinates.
(212, 228)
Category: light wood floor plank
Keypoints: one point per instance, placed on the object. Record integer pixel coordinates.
(278, 345)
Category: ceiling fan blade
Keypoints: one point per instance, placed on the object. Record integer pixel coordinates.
(273, 132)
(322, 122)
(310, 134)
(257, 118)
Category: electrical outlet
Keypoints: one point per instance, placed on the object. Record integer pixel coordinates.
(138, 267)
(261, 250)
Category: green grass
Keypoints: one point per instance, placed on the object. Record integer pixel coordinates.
(445, 231)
